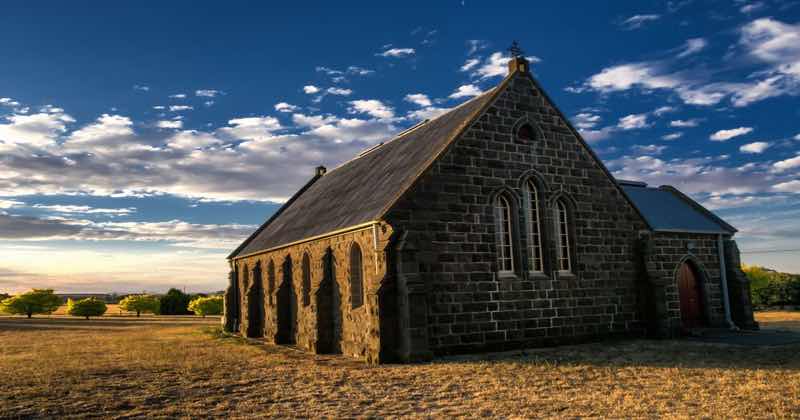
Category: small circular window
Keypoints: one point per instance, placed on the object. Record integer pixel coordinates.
(525, 133)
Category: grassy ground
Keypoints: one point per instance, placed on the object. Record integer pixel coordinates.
(166, 367)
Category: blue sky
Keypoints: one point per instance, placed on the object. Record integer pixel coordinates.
(141, 142)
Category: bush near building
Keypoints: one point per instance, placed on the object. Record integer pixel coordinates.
(211, 305)
(772, 288)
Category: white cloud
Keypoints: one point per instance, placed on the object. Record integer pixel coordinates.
(789, 186)
(426, 113)
(191, 139)
(650, 149)
(593, 136)
(626, 76)
(586, 120)
(159, 107)
(359, 71)
(338, 91)
(636, 21)
(285, 107)
(208, 93)
(397, 52)
(476, 45)
(723, 135)
(754, 148)
(313, 120)
(633, 121)
(310, 89)
(470, 64)
(418, 98)
(178, 96)
(797, 137)
(176, 108)
(496, 65)
(175, 124)
(672, 136)
(208, 103)
(252, 128)
(694, 122)
(36, 130)
(8, 102)
(752, 7)
(786, 164)
(69, 209)
(693, 45)
(466, 91)
(372, 107)
(660, 111)
(108, 131)
(143, 88)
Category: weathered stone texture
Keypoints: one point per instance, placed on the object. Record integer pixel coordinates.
(449, 218)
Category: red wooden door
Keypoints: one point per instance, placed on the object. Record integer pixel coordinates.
(689, 292)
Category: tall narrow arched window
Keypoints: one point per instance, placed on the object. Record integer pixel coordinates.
(270, 280)
(505, 247)
(356, 277)
(534, 227)
(306, 280)
(563, 249)
(245, 278)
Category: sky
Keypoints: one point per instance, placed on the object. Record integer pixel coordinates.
(140, 142)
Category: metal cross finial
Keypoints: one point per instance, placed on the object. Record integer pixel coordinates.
(515, 50)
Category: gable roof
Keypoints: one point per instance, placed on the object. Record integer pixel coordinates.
(669, 210)
(361, 190)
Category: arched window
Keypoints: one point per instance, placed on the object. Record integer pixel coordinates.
(270, 280)
(525, 133)
(306, 280)
(563, 249)
(356, 277)
(505, 247)
(534, 225)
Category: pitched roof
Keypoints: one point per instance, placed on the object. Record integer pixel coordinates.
(667, 209)
(361, 190)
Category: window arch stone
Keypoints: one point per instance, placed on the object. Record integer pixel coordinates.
(356, 276)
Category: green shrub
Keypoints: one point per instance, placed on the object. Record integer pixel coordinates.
(139, 304)
(175, 302)
(211, 305)
(86, 307)
(771, 288)
(37, 301)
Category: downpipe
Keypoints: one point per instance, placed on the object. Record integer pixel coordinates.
(723, 274)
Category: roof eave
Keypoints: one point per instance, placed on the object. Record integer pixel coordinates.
(699, 207)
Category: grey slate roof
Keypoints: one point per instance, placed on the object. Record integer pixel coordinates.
(363, 189)
(667, 209)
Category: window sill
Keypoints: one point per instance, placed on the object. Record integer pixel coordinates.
(566, 275)
(538, 275)
(506, 275)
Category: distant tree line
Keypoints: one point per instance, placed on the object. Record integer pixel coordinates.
(174, 302)
(771, 288)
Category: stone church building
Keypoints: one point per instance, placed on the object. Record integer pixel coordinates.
(492, 227)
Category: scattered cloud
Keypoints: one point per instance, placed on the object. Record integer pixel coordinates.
(633, 121)
(178, 96)
(171, 124)
(71, 209)
(397, 52)
(285, 107)
(142, 88)
(310, 89)
(466, 91)
(672, 136)
(8, 102)
(495, 65)
(789, 186)
(723, 135)
(252, 128)
(208, 93)
(470, 64)
(661, 111)
(338, 91)
(755, 147)
(418, 99)
(693, 45)
(650, 149)
(372, 107)
(475, 45)
(637, 21)
(787, 164)
(177, 108)
(694, 122)
(586, 120)
(752, 7)
(37, 130)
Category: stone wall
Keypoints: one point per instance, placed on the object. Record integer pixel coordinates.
(664, 255)
(448, 219)
(354, 332)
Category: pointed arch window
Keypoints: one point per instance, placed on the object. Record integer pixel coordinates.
(356, 276)
(563, 246)
(245, 278)
(505, 246)
(534, 227)
(306, 280)
(270, 280)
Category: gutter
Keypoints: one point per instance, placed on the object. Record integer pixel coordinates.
(723, 274)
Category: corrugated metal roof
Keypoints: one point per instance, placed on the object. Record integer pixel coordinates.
(666, 209)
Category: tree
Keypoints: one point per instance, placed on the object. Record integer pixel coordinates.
(203, 306)
(86, 307)
(175, 302)
(139, 304)
(37, 301)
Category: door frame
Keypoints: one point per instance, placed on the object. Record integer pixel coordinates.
(702, 279)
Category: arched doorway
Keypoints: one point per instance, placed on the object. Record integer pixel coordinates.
(287, 306)
(690, 295)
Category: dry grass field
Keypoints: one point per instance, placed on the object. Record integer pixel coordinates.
(116, 367)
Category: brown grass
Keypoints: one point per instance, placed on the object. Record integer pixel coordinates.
(180, 368)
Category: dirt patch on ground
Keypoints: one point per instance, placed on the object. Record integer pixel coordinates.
(190, 370)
